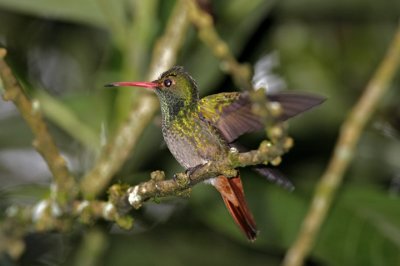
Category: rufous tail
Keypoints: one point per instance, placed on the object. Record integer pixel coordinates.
(232, 193)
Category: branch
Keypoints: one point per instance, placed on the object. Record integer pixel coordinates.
(118, 148)
(241, 74)
(182, 182)
(64, 189)
(45, 216)
(343, 154)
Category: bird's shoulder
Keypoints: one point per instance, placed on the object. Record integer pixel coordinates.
(212, 106)
(229, 112)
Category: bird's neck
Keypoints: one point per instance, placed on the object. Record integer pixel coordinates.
(172, 107)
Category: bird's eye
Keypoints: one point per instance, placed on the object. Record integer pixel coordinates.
(167, 83)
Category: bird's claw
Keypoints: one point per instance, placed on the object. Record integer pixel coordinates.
(190, 171)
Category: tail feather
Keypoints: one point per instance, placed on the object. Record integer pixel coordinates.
(232, 193)
(274, 175)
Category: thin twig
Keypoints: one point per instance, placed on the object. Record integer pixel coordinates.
(118, 148)
(240, 73)
(343, 154)
(64, 189)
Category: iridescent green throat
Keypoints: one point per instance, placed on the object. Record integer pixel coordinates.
(174, 104)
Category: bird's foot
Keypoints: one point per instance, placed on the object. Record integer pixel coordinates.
(190, 171)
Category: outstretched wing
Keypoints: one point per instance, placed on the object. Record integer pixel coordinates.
(232, 115)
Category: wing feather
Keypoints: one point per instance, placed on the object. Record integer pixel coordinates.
(231, 113)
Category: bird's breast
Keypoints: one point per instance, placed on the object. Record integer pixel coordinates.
(193, 142)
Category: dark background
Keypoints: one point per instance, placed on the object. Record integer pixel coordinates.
(65, 51)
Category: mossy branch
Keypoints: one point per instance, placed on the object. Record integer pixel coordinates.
(343, 154)
(157, 187)
(64, 188)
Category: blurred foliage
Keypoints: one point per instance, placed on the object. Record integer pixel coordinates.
(64, 51)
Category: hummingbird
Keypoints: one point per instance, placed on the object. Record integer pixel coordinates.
(198, 131)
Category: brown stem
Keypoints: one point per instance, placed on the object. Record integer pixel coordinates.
(343, 154)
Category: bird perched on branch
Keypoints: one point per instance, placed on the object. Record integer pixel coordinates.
(198, 131)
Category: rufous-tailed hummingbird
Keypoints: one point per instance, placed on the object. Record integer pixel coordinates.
(201, 130)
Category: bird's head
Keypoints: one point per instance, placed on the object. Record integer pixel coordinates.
(174, 87)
